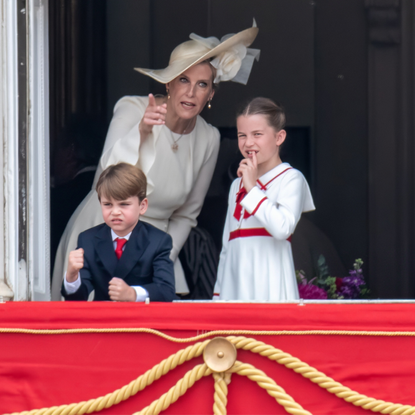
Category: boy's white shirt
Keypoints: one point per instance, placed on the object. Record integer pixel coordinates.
(72, 287)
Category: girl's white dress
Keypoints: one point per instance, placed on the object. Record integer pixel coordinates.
(177, 182)
(256, 261)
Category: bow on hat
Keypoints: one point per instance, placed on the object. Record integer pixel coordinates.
(233, 64)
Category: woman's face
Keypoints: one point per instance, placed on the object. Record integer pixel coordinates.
(190, 91)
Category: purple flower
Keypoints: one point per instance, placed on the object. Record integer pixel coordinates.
(311, 292)
(350, 287)
(347, 292)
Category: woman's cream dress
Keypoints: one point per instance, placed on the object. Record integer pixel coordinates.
(177, 182)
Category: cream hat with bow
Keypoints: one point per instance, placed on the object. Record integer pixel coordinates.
(230, 56)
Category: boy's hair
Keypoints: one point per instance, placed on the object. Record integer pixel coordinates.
(121, 181)
(273, 112)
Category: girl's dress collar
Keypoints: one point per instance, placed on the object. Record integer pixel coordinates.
(269, 175)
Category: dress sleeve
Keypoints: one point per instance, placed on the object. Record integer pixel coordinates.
(225, 240)
(184, 218)
(280, 216)
(123, 139)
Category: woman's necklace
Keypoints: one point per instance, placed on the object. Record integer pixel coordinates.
(175, 146)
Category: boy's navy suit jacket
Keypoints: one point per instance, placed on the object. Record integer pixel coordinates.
(145, 262)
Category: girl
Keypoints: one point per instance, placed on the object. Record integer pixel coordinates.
(265, 205)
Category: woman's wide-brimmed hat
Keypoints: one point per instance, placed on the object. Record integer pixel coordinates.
(230, 56)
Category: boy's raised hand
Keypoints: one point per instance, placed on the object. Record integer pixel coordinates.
(153, 115)
(248, 170)
(119, 290)
(75, 264)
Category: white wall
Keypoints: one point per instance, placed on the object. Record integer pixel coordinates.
(24, 278)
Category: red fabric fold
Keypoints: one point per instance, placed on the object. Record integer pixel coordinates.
(238, 208)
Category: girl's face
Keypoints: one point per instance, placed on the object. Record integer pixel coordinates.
(256, 135)
(190, 91)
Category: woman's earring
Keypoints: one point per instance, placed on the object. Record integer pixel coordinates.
(168, 95)
(209, 103)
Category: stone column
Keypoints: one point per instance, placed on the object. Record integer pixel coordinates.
(391, 147)
(8, 125)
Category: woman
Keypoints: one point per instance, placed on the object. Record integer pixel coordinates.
(169, 141)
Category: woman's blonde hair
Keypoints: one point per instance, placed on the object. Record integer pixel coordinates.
(274, 113)
(121, 181)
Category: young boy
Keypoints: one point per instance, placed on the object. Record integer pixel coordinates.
(123, 259)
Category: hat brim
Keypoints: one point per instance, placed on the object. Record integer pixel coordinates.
(246, 37)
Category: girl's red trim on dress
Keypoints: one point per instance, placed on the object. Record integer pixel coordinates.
(246, 233)
(242, 193)
(258, 205)
(266, 184)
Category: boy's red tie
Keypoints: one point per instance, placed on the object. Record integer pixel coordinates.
(120, 244)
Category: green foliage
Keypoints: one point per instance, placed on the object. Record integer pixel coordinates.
(322, 270)
(331, 288)
(365, 292)
(300, 276)
(358, 264)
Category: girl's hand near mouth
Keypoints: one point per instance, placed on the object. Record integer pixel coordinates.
(248, 170)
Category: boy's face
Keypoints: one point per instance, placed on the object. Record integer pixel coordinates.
(122, 215)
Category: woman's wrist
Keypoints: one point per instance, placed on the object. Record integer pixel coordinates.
(144, 132)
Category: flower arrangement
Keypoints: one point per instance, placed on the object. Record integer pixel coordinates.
(323, 286)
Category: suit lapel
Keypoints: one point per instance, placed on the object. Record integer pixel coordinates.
(104, 248)
(133, 251)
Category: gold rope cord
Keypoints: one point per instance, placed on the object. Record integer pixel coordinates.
(176, 391)
(219, 407)
(265, 382)
(96, 405)
(325, 382)
(137, 385)
(214, 333)
(220, 397)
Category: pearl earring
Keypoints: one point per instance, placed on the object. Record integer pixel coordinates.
(209, 103)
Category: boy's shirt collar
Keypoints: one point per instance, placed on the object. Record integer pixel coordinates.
(115, 236)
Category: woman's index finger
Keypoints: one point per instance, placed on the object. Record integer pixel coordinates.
(151, 100)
